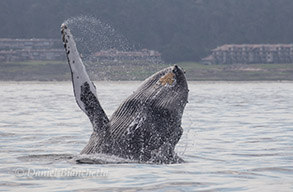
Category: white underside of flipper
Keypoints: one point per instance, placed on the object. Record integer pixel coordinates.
(78, 71)
(84, 89)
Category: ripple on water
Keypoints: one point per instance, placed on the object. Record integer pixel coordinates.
(237, 137)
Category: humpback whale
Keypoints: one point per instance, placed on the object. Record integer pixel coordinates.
(146, 126)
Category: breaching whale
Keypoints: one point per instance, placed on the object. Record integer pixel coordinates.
(146, 126)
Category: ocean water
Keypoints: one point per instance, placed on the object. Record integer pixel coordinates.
(237, 137)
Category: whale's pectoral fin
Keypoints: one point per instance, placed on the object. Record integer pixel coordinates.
(84, 89)
(93, 108)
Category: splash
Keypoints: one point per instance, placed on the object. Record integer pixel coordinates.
(100, 158)
(93, 35)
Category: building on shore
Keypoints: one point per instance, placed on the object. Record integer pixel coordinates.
(31, 49)
(251, 54)
(32, 55)
(115, 55)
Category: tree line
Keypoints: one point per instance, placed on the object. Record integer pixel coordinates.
(182, 30)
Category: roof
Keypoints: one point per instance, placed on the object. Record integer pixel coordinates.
(116, 53)
(31, 51)
(25, 40)
(252, 46)
(208, 58)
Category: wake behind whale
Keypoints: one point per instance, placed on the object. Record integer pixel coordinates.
(145, 127)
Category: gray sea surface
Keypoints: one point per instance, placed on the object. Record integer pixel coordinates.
(237, 137)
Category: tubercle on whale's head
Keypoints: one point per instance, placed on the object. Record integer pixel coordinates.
(172, 77)
(171, 87)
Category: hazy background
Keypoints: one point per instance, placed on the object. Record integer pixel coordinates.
(182, 30)
(237, 135)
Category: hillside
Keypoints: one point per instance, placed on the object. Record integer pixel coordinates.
(182, 30)
(59, 71)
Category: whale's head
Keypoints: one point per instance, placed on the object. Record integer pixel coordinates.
(149, 120)
(167, 89)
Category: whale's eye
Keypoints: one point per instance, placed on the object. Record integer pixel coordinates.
(167, 79)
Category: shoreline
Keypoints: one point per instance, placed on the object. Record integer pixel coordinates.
(59, 71)
(138, 82)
